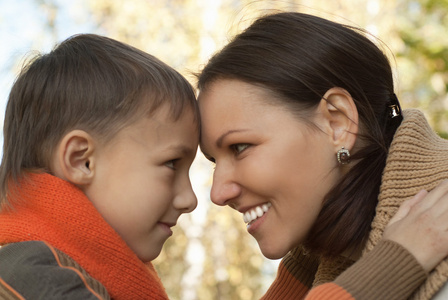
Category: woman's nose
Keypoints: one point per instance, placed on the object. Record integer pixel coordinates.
(224, 187)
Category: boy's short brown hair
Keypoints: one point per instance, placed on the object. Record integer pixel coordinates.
(87, 82)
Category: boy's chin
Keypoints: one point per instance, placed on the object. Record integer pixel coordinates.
(149, 256)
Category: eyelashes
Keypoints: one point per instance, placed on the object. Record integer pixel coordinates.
(208, 157)
(172, 163)
(239, 148)
(236, 149)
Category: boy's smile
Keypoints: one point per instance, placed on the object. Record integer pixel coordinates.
(141, 184)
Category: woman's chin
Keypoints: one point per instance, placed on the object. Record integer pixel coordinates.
(273, 252)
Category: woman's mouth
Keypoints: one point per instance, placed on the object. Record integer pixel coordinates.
(257, 212)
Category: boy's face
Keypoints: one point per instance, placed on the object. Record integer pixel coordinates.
(141, 184)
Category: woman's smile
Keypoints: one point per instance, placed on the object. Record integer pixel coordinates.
(255, 213)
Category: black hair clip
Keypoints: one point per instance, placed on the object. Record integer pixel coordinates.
(394, 106)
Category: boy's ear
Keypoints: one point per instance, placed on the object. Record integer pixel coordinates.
(338, 108)
(73, 160)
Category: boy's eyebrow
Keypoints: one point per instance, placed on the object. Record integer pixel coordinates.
(184, 150)
(221, 138)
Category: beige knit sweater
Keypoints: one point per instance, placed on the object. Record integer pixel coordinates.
(418, 159)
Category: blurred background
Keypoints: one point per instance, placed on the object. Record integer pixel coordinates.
(210, 255)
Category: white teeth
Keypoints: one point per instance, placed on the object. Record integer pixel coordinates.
(256, 212)
(265, 207)
(253, 214)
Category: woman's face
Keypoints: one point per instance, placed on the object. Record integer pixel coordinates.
(271, 166)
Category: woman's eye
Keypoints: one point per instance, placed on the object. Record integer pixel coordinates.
(208, 157)
(238, 148)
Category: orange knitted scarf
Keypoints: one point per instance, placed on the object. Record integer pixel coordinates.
(53, 210)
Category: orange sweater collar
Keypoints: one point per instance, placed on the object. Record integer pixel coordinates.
(53, 210)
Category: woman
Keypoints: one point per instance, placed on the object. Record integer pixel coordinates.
(311, 146)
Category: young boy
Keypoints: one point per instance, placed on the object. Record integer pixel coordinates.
(98, 141)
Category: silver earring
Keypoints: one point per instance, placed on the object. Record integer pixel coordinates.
(343, 156)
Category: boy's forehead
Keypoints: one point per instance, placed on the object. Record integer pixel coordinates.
(169, 112)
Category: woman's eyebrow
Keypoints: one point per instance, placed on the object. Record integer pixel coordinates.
(225, 134)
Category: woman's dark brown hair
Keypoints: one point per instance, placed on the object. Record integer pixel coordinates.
(87, 82)
(299, 57)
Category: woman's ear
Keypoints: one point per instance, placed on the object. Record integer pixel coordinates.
(73, 159)
(339, 110)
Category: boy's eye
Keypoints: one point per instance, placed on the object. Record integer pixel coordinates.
(238, 148)
(171, 164)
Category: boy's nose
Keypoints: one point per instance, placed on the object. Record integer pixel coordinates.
(224, 188)
(186, 201)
